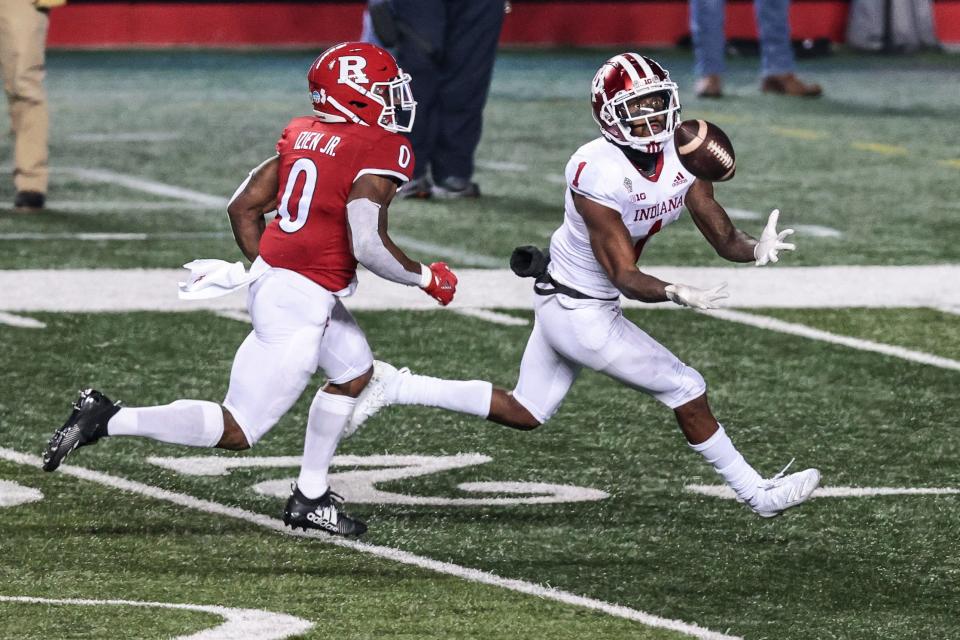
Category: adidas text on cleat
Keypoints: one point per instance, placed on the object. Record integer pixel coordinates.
(373, 397)
(85, 425)
(323, 513)
(781, 492)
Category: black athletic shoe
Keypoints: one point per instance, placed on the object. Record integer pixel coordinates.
(29, 201)
(86, 425)
(322, 513)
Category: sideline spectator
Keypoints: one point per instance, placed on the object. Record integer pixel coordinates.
(23, 38)
(776, 53)
(448, 47)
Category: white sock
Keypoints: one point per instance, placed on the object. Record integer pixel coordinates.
(195, 423)
(328, 416)
(727, 461)
(464, 396)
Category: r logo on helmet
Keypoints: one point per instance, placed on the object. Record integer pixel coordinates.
(351, 68)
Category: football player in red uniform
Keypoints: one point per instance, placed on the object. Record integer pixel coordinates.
(331, 182)
(622, 188)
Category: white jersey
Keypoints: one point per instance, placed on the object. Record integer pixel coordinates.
(601, 172)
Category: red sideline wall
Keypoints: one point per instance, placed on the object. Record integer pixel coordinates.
(86, 24)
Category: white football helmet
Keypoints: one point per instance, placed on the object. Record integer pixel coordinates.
(623, 79)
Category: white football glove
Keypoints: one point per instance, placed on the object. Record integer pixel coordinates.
(688, 296)
(771, 243)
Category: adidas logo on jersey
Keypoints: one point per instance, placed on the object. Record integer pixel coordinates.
(679, 180)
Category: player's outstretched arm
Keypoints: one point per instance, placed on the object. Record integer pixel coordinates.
(372, 246)
(611, 245)
(729, 242)
(254, 197)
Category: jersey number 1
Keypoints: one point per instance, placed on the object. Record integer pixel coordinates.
(638, 248)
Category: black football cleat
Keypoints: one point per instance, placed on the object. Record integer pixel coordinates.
(86, 425)
(323, 513)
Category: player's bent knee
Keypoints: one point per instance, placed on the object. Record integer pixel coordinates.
(692, 384)
(351, 388)
(521, 419)
(233, 437)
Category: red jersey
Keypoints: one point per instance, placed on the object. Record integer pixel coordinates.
(319, 162)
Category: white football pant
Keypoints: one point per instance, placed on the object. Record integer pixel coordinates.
(571, 334)
(298, 328)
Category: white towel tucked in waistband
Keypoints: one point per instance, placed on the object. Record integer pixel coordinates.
(210, 278)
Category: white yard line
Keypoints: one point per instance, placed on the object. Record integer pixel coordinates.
(208, 200)
(116, 237)
(494, 317)
(726, 493)
(22, 322)
(397, 555)
(453, 253)
(749, 287)
(137, 136)
(481, 314)
(145, 185)
(129, 205)
(773, 324)
(254, 624)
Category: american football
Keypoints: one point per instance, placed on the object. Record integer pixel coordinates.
(705, 150)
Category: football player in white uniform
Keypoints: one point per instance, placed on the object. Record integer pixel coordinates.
(623, 188)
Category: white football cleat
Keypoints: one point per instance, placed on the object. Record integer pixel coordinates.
(373, 397)
(781, 492)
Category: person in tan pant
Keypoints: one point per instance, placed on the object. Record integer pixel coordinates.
(23, 37)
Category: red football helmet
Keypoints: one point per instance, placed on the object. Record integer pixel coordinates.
(621, 81)
(360, 82)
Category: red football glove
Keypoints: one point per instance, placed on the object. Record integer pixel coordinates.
(443, 283)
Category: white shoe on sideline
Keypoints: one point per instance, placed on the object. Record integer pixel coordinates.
(373, 397)
(781, 492)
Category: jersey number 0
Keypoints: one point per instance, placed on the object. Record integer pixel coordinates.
(307, 167)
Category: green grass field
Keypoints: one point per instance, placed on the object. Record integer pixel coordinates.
(869, 175)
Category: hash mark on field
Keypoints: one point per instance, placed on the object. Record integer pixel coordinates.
(239, 315)
(726, 493)
(22, 322)
(719, 118)
(397, 555)
(882, 149)
(239, 623)
(773, 324)
(818, 231)
(13, 494)
(815, 230)
(800, 134)
(742, 214)
(502, 166)
(494, 317)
